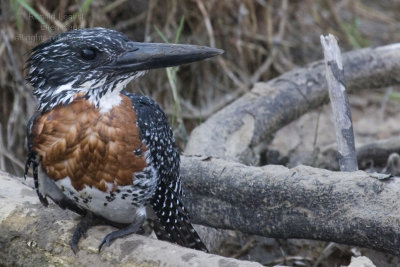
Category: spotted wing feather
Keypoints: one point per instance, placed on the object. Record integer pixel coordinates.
(173, 221)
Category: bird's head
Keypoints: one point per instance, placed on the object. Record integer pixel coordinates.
(94, 62)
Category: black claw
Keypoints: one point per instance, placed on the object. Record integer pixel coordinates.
(101, 245)
(74, 246)
(130, 229)
(42, 199)
(81, 229)
(106, 241)
(75, 239)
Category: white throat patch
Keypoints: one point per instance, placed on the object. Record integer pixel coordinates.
(109, 100)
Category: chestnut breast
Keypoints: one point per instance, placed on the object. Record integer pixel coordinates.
(90, 148)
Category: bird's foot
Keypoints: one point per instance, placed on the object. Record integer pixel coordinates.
(130, 229)
(80, 231)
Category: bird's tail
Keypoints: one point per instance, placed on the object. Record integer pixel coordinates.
(172, 223)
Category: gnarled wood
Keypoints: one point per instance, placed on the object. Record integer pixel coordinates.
(32, 235)
(304, 202)
(235, 131)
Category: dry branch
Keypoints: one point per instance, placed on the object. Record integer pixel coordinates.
(303, 202)
(236, 130)
(377, 153)
(339, 103)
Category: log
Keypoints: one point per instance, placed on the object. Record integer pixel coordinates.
(32, 235)
(345, 207)
(240, 129)
(274, 201)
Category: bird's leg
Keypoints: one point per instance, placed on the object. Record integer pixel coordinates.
(130, 229)
(80, 231)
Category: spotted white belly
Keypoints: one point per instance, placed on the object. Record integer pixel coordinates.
(122, 205)
(119, 206)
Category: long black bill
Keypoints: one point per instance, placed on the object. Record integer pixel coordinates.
(145, 56)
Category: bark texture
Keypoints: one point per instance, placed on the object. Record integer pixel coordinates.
(32, 235)
(339, 103)
(304, 202)
(251, 121)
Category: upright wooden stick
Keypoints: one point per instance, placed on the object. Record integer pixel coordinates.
(340, 104)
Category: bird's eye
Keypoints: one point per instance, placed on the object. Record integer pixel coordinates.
(88, 53)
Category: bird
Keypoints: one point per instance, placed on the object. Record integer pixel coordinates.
(105, 153)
